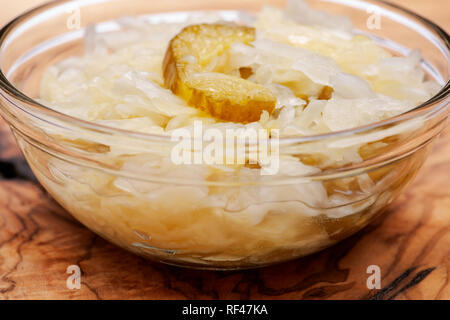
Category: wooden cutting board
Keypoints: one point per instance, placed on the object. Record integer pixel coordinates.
(411, 244)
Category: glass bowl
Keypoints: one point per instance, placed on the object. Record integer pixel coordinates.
(175, 213)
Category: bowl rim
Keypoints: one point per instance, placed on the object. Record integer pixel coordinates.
(440, 100)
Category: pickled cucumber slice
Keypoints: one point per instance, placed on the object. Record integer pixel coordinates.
(193, 67)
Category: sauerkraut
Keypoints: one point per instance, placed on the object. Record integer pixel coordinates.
(325, 78)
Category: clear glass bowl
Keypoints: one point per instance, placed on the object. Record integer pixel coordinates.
(161, 215)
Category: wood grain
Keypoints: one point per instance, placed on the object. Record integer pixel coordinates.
(411, 243)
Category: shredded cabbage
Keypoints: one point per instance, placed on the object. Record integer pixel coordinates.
(299, 53)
